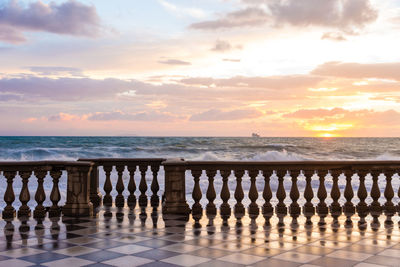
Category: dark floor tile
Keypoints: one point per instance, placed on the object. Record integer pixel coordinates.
(155, 243)
(329, 261)
(204, 242)
(97, 265)
(217, 263)
(105, 244)
(3, 258)
(43, 257)
(383, 260)
(154, 234)
(100, 256)
(210, 253)
(365, 249)
(106, 235)
(314, 250)
(276, 263)
(72, 227)
(53, 246)
(156, 254)
(62, 236)
(159, 264)
(262, 252)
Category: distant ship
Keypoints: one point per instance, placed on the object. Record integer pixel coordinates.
(254, 135)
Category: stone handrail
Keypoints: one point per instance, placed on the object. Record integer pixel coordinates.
(77, 203)
(83, 186)
(120, 164)
(175, 201)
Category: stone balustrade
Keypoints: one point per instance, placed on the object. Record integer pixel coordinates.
(77, 202)
(267, 171)
(120, 165)
(83, 187)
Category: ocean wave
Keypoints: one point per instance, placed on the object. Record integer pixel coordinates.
(388, 156)
(279, 156)
(266, 146)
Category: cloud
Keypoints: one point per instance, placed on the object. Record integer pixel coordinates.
(174, 62)
(341, 14)
(359, 71)
(9, 35)
(70, 18)
(224, 46)
(54, 70)
(231, 59)
(317, 119)
(62, 117)
(344, 15)
(245, 17)
(334, 36)
(139, 116)
(183, 11)
(270, 82)
(219, 115)
(63, 89)
(316, 113)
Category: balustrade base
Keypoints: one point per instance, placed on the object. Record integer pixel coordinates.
(96, 199)
(253, 210)
(39, 212)
(294, 210)
(155, 200)
(78, 210)
(8, 213)
(119, 201)
(176, 208)
(211, 209)
(24, 212)
(54, 212)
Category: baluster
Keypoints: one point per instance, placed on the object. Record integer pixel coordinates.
(119, 199)
(362, 207)
(253, 193)
(398, 194)
(348, 208)
(24, 196)
(267, 194)
(9, 196)
(211, 195)
(335, 207)
(132, 186)
(308, 208)
(196, 194)
(375, 207)
(239, 195)
(143, 186)
(294, 208)
(155, 199)
(225, 209)
(390, 209)
(55, 195)
(281, 194)
(322, 208)
(40, 196)
(107, 200)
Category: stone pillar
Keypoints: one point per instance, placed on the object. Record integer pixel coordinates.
(175, 192)
(95, 195)
(78, 191)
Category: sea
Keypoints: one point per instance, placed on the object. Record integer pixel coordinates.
(29, 148)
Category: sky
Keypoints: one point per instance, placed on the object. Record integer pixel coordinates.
(200, 67)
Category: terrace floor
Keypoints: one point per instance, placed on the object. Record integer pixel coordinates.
(146, 238)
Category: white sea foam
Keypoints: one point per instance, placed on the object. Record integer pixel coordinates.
(278, 156)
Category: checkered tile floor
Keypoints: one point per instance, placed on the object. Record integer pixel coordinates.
(146, 238)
